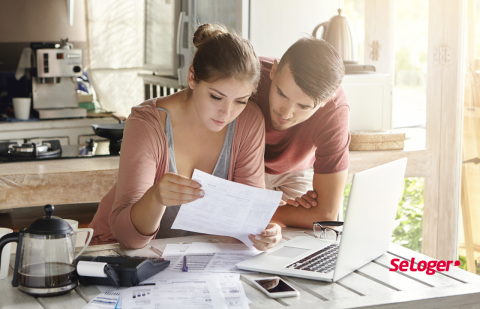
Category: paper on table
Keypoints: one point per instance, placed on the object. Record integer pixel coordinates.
(208, 247)
(204, 292)
(226, 256)
(106, 300)
(228, 208)
(233, 291)
(205, 257)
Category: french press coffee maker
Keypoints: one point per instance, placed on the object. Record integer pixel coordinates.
(45, 255)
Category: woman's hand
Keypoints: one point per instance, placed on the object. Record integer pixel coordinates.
(268, 239)
(307, 200)
(174, 189)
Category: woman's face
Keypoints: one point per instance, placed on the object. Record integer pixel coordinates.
(218, 103)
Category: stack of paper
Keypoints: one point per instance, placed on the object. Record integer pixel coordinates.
(188, 290)
(212, 281)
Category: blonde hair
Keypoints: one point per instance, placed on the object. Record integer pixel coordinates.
(221, 54)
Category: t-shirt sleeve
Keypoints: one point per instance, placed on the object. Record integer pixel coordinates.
(136, 174)
(332, 139)
(249, 148)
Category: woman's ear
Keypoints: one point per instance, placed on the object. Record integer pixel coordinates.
(191, 78)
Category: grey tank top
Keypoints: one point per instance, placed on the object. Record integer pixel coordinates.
(220, 170)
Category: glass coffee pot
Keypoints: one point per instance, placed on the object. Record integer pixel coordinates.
(45, 255)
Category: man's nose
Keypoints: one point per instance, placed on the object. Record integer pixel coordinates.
(287, 111)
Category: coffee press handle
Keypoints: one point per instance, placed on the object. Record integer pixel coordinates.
(6, 239)
(90, 234)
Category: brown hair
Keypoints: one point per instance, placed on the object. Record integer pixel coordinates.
(316, 67)
(221, 54)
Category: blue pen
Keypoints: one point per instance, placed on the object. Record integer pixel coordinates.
(185, 267)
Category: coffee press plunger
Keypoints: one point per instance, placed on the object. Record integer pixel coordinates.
(45, 255)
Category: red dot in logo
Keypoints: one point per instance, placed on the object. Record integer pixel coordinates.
(457, 263)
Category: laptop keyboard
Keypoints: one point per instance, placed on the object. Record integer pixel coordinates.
(321, 261)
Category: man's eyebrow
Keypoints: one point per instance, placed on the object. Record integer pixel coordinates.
(281, 92)
(302, 105)
(226, 95)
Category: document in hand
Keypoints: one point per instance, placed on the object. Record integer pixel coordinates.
(228, 209)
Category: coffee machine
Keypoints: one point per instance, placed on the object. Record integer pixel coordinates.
(55, 70)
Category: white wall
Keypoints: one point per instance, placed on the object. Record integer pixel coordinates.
(115, 33)
(277, 24)
(37, 21)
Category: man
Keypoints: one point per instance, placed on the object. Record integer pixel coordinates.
(306, 123)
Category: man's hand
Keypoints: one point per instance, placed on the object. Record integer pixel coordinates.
(307, 200)
(268, 239)
(329, 191)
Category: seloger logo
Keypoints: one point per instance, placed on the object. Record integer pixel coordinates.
(430, 266)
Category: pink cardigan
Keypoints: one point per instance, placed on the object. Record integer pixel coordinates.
(144, 160)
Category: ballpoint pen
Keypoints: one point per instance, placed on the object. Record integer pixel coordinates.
(185, 267)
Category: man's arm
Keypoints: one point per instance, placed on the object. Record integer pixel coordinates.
(329, 189)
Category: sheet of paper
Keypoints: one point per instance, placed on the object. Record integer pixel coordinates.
(228, 209)
(106, 300)
(226, 256)
(208, 247)
(233, 291)
(183, 290)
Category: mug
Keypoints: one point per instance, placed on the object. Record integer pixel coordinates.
(81, 240)
(21, 108)
(5, 264)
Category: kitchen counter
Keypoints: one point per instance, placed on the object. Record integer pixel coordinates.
(68, 181)
(86, 180)
(53, 124)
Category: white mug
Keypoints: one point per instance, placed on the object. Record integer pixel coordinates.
(5, 258)
(81, 240)
(21, 108)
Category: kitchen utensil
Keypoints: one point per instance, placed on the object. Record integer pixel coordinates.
(339, 33)
(21, 108)
(114, 132)
(45, 256)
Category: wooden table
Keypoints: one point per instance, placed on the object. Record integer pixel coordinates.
(371, 286)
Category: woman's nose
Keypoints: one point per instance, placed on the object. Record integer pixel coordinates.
(225, 109)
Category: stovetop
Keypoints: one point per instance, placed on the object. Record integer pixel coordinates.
(101, 149)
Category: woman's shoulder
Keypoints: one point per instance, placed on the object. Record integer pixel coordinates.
(251, 115)
(250, 125)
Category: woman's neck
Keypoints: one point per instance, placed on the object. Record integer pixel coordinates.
(188, 113)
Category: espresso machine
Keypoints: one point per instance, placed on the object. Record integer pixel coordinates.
(54, 73)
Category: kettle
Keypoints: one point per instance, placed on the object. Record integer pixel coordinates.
(45, 256)
(339, 33)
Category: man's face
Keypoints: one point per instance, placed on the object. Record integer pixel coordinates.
(289, 105)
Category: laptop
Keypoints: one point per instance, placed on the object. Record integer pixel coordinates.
(366, 234)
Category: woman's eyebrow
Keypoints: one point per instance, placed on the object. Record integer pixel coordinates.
(226, 95)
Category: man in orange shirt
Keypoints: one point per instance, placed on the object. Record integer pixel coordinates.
(306, 123)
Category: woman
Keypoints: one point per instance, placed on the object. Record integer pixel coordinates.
(208, 126)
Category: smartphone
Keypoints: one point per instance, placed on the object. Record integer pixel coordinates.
(275, 287)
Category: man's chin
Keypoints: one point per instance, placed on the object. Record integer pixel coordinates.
(281, 126)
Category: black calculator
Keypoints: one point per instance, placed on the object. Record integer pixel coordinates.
(124, 271)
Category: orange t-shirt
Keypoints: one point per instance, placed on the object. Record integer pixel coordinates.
(144, 159)
(321, 140)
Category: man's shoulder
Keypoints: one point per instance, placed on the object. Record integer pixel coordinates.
(267, 62)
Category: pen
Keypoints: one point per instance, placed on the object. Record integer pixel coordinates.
(185, 267)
